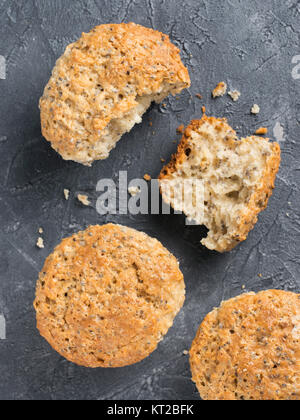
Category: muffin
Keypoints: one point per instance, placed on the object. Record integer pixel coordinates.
(107, 296)
(249, 349)
(237, 176)
(103, 84)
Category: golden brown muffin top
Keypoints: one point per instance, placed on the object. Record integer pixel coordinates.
(101, 77)
(249, 348)
(107, 296)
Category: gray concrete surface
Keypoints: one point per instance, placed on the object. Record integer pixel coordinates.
(254, 46)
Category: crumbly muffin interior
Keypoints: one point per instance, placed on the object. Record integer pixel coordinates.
(233, 174)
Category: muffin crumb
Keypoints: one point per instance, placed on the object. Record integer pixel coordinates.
(255, 109)
(261, 131)
(84, 199)
(235, 95)
(66, 194)
(220, 90)
(180, 129)
(40, 243)
(133, 191)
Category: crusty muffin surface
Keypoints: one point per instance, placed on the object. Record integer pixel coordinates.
(238, 178)
(249, 349)
(107, 296)
(103, 84)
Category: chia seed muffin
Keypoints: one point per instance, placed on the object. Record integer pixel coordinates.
(107, 296)
(103, 84)
(249, 349)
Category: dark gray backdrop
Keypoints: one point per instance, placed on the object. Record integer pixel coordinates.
(251, 45)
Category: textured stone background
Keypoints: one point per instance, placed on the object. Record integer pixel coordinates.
(251, 45)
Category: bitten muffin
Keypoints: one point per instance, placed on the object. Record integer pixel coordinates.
(107, 296)
(237, 176)
(249, 349)
(103, 84)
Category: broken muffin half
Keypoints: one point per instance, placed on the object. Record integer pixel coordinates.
(103, 84)
(237, 175)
